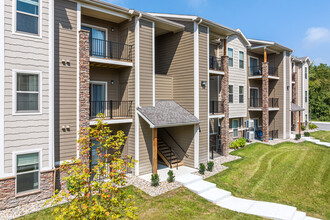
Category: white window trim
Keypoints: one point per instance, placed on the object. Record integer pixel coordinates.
(14, 166)
(235, 128)
(14, 32)
(230, 93)
(229, 56)
(239, 85)
(101, 29)
(14, 88)
(240, 51)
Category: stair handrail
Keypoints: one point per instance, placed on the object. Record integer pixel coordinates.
(172, 151)
(185, 153)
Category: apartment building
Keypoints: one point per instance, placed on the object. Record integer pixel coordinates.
(181, 87)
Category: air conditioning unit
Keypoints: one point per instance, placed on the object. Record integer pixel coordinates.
(251, 135)
(250, 123)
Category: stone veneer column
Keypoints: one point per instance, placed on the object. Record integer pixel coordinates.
(225, 99)
(295, 101)
(83, 79)
(265, 102)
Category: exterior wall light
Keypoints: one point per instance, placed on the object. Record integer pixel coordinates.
(203, 84)
(112, 82)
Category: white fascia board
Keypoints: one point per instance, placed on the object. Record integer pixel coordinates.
(146, 119)
(217, 116)
(216, 72)
(153, 66)
(196, 93)
(109, 61)
(184, 17)
(112, 121)
(124, 15)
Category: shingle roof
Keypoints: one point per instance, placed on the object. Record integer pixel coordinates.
(296, 108)
(167, 114)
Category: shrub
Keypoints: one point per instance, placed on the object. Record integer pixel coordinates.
(154, 180)
(171, 176)
(298, 136)
(307, 134)
(303, 127)
(210, 165)
(201, 168)
(240, 142)
(312, 126)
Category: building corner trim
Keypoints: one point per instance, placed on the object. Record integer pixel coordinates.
(284, 94)
(196, 93)
(78, 72)
(137, 92)
(2, 89)
(51, 85)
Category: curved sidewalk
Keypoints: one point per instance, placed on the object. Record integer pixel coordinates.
(224, 199)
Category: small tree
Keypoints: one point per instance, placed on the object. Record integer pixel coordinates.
(96, 192)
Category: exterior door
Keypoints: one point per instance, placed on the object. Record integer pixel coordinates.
(253, 66)
(98, 98)
(254, 97)
(97, 41)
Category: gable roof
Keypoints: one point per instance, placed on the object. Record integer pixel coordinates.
(269, 44)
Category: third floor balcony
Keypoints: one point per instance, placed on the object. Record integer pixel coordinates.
(256, 72)
(215, 65)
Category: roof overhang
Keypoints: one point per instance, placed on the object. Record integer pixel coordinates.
(258, 46)
(296, 108)
(302, 60)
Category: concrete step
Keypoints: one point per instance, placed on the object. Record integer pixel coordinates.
(236, 204)
(188, 179)
(299, 215)
(324, 143)
(311, 218)
(215, 195)
(200, 186)
(272, 210)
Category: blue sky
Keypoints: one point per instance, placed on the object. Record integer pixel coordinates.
(298, 24)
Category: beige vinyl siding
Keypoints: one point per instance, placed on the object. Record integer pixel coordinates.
(65, 79)
(146, 75)
(164, 87)
(203, 94)
(237, 77)
(25, 132)
(305, 86)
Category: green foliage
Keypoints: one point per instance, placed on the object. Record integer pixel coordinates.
(307, 134)
(319, 92)
(87, 197)
(154, 179)
(201, 168)
(298, 136)
(240, 142)
(303, 127)
(210, 165)
(171, 176)
(312, 126)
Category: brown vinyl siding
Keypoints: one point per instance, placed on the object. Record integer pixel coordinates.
(146, 143)
(203, 94)
(65, 79)
(164, 87)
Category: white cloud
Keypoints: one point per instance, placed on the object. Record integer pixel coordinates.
(196, 3)
(317, 35)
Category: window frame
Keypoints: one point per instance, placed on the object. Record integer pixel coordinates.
(14, 90)
(306, 96)
(100, 29)
(239, 59)
(306, 72)
(252, 57)
(235, 128)
(239, 94)
(232, 94)
(14, 167)
(229, 48)
(14, 21)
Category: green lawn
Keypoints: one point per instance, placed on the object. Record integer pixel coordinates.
(321, 135)
(176, 204)
(288, 173)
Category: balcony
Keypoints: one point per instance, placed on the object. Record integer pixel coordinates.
(256, 72)
(293, 80)
(215, 65)
(255, 104)
(217, 107)
(273, 134)
(110, 52)
(273, 103)
(111, 110)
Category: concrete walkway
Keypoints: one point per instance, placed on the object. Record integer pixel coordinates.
(322, 125)
(224, 199)
(316, 141)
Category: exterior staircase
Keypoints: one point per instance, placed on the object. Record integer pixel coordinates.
(167, 154)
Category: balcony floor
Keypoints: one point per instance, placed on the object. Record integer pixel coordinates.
(111, 63)
(116, 120)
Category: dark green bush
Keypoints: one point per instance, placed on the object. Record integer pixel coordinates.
(298, 136)
(201, 168)
(307, 134)
(171, 176)
(154, 180)
(210, 165)
(303, 127)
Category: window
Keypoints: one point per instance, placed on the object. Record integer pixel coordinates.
(235, 127)
(27, 172)
(305, 72)
(27, 92)
(254, 68)
(241, 94)
(231, 56)
(231, 93)
(97, 40)
(241, 60)
(306, 98)
(27, 16)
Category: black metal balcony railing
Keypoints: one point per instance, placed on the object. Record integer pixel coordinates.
(111, 109)
(257, 71)
(293, 77)
(273, 134)
(110, 50)
(217, 107)
(215, 63)
(273, 102)
(255, 102)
